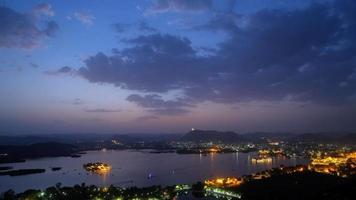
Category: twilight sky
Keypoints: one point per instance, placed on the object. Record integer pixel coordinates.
(108, 66)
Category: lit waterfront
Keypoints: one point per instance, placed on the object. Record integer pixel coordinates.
(342, 164)
(131, 168)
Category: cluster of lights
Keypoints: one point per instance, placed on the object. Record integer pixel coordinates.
(331, 164)
(224, 182)
(264, 159)
(222, 192)
(182, 187)
(98, 167)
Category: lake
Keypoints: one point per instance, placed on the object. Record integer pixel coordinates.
(131, 168)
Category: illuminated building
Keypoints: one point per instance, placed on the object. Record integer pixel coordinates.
(263, 159)
(263, 152)
(213, 150)
(221, 193)
(333, 164)
(98, 167)
(224, 182)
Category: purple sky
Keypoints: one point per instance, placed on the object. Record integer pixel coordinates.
(148, 66)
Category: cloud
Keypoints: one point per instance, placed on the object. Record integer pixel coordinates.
(62, 70)
(121, 27)
(44, 9)
(137, 68)
(102, 110)
(275, 55)
(52, 28)
(277, 44)
(78, 101)
(85, 18)
(155, 104)
(147, 118)
(34, 65)
(161, 6)
(224, 21)
(65, 69)
(143, 26)
(21, 30)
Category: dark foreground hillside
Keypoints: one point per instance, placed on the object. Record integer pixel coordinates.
(307, 185)
(296, 186)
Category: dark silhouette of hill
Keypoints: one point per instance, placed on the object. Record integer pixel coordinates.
(86, 138)
(262, 136)
(23, 140)
(212, 136)
(343, 138)
(15, 153)
(307, 185)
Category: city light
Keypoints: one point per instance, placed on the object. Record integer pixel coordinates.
(335, 164)
(98, 167)
(224, 182)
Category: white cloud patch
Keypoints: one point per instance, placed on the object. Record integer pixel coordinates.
(85, 18)
(44, 9)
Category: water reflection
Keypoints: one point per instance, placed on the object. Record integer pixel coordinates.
(131, 168)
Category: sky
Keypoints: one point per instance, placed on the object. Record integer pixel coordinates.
(166, 66)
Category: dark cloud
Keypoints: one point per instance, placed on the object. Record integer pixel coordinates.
(52, 28)
(157, 105)
(180, 5)
(65, 69)
(224, 21)
(147, 118)
(141, 26)
(279, 54)
(21, 30)
(121, 27)
(102, 110)
(164, 44)
(144, 27)
(34, 65)
(305, 55)
(62, 70)
(154, 63)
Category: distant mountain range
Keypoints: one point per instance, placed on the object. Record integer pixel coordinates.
(84, 138)
(19, 148)
(61, 138)
(212, 136)
(16, 153)
(344, 138)
(193, 136)
(232, 137)
(258, 136)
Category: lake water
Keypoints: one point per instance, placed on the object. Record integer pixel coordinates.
(131, 168)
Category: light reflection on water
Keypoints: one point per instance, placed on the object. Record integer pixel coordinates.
(131, 168)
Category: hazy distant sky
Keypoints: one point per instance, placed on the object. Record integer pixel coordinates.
(108, 66)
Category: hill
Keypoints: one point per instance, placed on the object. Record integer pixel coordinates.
(16, 153)
(342, 138)
(307, 185)
(212, 136)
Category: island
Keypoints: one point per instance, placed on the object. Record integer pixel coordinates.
(5, 168)
(56, 168)
(97, 167)
(20, 153)
(21, 172)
